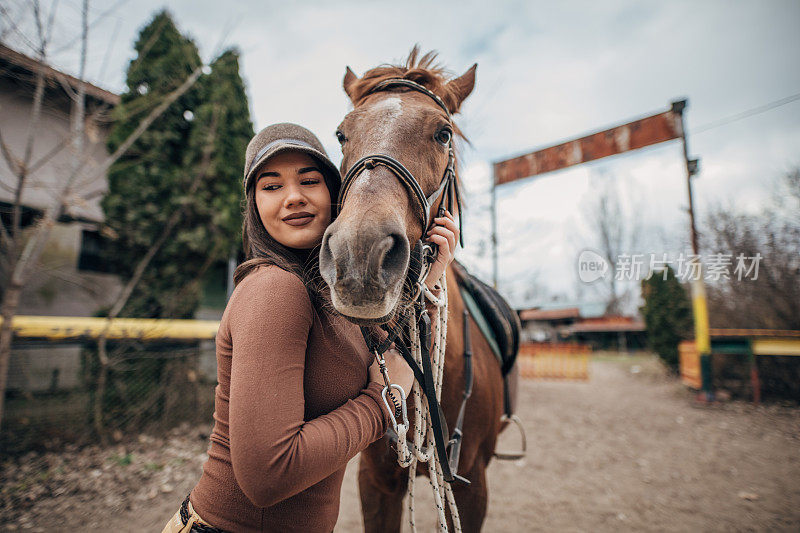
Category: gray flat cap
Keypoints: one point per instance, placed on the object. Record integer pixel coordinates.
(283, 137)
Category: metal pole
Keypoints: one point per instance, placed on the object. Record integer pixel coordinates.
(494, 231)
(699, 304)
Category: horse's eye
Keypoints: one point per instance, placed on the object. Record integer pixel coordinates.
(444, 136)
(340, 136)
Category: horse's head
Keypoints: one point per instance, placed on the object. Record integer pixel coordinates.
(366, 252)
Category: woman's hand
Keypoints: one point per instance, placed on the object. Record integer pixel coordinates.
(445, 235)
(399, 372)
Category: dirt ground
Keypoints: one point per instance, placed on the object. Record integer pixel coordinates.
(625, 451)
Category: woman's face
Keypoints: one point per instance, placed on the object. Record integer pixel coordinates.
(293, 200)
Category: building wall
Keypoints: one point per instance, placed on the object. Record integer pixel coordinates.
(58, 287)
(65, 282)
(535, 331)
(53, 130)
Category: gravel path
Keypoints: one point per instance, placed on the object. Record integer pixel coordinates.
(624, 451)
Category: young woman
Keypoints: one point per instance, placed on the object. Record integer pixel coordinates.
(298, 393)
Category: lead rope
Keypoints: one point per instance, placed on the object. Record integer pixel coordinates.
(423, 446)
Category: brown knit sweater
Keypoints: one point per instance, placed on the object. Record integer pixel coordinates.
(293, 405)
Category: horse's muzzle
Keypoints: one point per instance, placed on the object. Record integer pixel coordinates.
(364, 265)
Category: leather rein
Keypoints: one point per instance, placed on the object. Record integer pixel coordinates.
(423, 255)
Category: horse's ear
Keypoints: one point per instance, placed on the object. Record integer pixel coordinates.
(349, 80)
(462, 86)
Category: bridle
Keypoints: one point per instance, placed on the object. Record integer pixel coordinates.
(424, 255)
(447, 188)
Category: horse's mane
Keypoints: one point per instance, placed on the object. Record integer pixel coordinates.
(423, 70)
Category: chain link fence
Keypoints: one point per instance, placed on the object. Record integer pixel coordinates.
(61, 398)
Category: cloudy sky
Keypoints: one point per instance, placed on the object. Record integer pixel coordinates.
(547, 72)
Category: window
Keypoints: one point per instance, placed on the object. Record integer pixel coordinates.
(91, 258)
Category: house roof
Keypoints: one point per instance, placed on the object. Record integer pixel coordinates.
(586, 308)
(607, 324)
(12, 62)
(549, 314)
(722, 333)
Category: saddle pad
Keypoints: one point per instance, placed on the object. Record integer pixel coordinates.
(495, 318)
(480, 320)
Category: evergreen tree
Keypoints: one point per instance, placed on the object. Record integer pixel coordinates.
(667, 315)
(224, 118)
(177, 192)
(146, 185)
(213, 217)
(188, 163)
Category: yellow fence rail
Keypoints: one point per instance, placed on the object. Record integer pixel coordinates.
(60, 328)
(554, 361)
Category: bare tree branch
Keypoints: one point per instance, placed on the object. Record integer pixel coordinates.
(125, 294)
(79, 282)
(39, 163)
(94, 117)
(99, 18)
(79, 102)
(34, 245)
(35, 115)
(8, 243)
(20, 271)
(51, 20)
(34, 121)
(12, 162)
(9, 23)
(109, 49)
(14, 27)
(173, 220)
(37, 18)
(65, 85)
(6, 187)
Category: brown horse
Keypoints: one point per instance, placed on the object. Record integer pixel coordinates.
(365, 257)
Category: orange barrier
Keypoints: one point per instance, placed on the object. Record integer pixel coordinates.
(554, 361)
(690, 365)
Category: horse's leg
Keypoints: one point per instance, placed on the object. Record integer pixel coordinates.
(471, 500)
(382, 486)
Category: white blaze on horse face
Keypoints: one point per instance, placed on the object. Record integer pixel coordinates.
(382, 119)
(387, 112)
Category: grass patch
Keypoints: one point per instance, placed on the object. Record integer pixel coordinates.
(622, 357)
(122, 460)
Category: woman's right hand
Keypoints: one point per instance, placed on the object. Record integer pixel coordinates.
(399, 371)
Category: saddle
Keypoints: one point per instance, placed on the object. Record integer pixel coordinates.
(494, 317)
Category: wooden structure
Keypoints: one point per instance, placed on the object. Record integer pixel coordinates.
(564, 361)
(752, 343)
(647, 131)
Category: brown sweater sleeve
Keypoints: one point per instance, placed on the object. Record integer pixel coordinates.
(275, 453)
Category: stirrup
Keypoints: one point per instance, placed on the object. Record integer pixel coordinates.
(512, 456)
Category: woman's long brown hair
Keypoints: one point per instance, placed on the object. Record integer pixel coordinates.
(262, 249)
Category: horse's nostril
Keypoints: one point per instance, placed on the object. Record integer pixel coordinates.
(392, 256)
(327, 265)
